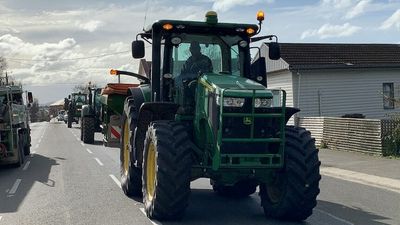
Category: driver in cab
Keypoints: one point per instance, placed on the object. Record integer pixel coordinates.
(197, 63)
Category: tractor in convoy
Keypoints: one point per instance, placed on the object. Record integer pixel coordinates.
(15, 139)
(74, 105)
(104, 110)
(206, 112)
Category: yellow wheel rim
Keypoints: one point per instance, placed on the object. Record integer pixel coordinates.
(126, 147)
(151, 171)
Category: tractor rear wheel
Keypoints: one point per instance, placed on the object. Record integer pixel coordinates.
(21, 155)
(69, 122)
(166, 170)
(239, 190)
(293, 194)
(27, 144)
(87, 131)
(131, 176)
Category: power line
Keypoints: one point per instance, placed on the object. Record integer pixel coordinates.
(54, 60)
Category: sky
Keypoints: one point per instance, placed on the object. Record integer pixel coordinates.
(51, 46)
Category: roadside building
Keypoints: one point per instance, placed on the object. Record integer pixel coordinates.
(331, 80)
(55, 107)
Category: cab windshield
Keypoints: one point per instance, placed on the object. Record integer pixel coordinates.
(80, 98)
(197, 54)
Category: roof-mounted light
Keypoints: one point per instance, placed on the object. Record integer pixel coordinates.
(211, 17)
(114, 72)
(167, 26)
(250, 31)
(260, 15)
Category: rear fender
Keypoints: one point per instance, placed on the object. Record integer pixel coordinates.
(87, 111)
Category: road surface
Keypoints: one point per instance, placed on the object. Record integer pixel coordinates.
(65, 181)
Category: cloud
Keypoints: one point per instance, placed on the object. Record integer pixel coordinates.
(225, 5)
(392, 21)
(90, 26)
(359, 9)
(331, 31)
(339, 4)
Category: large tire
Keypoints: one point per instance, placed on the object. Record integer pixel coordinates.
(293, 194)
(69, 122)
(131, 176)
(21, 155)
(27, 143)
(239, 190)
(87, 131)
(166, 170)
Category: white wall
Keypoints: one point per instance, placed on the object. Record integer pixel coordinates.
(342, 92)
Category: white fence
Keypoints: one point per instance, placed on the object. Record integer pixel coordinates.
(349, 134)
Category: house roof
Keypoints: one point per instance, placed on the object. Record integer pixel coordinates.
(339, 56)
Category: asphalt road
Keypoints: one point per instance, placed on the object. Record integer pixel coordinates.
(67, 182)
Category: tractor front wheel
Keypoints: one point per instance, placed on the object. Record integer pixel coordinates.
(293, 194)
(166, 170)
(87, 131)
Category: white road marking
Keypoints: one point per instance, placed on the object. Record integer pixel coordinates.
(334, 217)
(88, 150)
(1, 217)
(78, 139)
(15, 187)
(153, 222)
(115, 180)
(26, 165)
(39, 141)
(362, 178)
(82, 144)
(99, 162)
(37, 146)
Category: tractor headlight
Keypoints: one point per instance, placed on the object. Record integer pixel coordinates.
(231, 102)
(262, 102)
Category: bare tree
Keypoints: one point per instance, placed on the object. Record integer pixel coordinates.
(83, 88)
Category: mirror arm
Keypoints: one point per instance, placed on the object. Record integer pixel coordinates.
(143, 36)
(255, 39)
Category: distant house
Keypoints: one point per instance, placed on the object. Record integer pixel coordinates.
(337, 79)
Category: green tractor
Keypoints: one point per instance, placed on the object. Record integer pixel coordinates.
(15, 139)
(90, 116)
(75, 103)
(207, 113)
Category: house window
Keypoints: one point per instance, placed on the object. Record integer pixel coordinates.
(388, 95)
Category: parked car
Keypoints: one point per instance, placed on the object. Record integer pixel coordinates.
(65, 118)
(60, 116)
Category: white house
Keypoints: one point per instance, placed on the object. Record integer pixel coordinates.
(332, 80)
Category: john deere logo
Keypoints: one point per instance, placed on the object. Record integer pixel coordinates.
(247, 120)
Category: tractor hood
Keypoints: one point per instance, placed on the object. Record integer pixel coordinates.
(234, 86)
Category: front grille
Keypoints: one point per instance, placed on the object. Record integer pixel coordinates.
(249, 148)
(233, 127)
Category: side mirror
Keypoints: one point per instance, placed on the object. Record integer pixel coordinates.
(274, 51)
(258, 71)
(30, 97)
(138, 49)
(69, 96)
